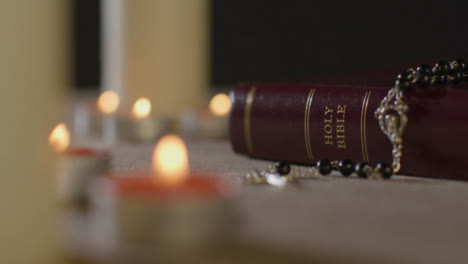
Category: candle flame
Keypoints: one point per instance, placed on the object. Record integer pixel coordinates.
(141, 108)
(170, 160)
(108, 102)
(59, 138)
(220, 104)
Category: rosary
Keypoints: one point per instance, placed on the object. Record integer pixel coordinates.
(392, 119)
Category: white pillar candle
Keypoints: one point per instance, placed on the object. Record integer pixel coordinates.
(112, 48)
(33, 70)
(157, 49)
(81, 121)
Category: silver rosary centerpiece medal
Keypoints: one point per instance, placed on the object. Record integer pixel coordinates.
(392, 118)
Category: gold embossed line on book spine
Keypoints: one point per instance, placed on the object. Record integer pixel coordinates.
(363, 126)
(310, 97)
(247, 123)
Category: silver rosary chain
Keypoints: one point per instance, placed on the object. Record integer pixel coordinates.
(271, 177)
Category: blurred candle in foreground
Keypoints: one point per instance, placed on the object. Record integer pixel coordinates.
(171, 205)
(34, 68)
(170, 160)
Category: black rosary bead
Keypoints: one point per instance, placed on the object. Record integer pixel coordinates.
(465, 77)
(456, 77)
(422, 79)
(439, 79)
(424, 69)
(443, 79)
(423, 75)
(444, 66)
(283, 168)
(462, 64)
(359, 169)
(385, 169)
(324, 166)
(435, 80)
(403, 85)
(403, 81)
(346, 167)
(436, 70)
(406, 75)
(455, 67)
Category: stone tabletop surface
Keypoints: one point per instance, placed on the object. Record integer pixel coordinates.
(327, 219)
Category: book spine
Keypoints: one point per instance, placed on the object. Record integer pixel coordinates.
(303, 123)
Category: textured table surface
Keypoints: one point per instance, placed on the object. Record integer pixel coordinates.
(327, 220)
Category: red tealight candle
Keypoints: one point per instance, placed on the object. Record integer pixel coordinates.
(75, 166)
(196, 185)
(172, 206)
(85, 152)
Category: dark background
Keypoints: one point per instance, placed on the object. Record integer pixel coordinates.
(87, 43)
(272, 40)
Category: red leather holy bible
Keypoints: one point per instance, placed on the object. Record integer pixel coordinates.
(302, 123)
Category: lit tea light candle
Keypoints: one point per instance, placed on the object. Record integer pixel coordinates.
(141, 108)
(170, 164)
(220, 105)
(139, 125)
(169, 204)
(75, 166)
(59, 138)
(207, 122)
(108, 102)
(94, 121)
